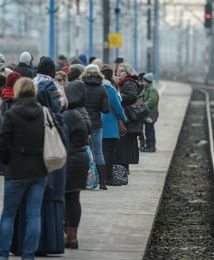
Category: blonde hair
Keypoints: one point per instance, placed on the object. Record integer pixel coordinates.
(128, 69)
(24, 87)
(63, 75)
(98, 62)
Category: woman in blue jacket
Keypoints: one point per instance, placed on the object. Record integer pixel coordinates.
(111, 132)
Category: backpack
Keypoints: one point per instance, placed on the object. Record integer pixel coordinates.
(48, 95)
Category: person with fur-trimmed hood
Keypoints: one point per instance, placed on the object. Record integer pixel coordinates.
(96, 103)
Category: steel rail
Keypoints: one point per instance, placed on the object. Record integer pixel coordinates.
(209, 122)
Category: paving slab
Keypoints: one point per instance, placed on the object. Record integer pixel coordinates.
(117, 224)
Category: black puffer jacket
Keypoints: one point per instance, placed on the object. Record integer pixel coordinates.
(97, 99)
(79, 126)
(25, 70)
(21, 140)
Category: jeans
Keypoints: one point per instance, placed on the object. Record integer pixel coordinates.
(96, 137)
(14, 192)
(150, 135)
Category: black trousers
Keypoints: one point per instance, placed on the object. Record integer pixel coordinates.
(150, 134)
(72, 209)
(109, 150)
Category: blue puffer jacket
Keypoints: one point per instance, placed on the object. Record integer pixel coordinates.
(110, 120)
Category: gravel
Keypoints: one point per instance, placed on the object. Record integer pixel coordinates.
(184, 226)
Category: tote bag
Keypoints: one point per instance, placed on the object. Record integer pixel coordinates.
(92, 178)
(54, 153)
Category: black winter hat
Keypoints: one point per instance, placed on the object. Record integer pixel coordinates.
(46, 66)
(141, 75)
(91, 59)
(119, 60)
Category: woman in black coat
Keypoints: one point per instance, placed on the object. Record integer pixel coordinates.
(127, 148)
(96, 103)
(21, 149)
(79, 126)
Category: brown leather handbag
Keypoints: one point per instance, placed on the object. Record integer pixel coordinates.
(122, 128)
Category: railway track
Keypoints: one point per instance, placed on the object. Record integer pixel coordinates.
(184, 228)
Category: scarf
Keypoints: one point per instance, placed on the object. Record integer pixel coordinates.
(127, 78)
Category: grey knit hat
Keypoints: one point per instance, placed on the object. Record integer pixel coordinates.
(149, 77)
(25, 57)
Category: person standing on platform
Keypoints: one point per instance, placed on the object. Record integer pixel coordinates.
(79, 127)
(52, 214)
(150, 97)
(111, 132)
(21, 149)
(96, 103)
(25, 65)
(127, 149)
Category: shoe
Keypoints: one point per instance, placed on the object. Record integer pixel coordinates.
(71, 238)
(151, 149)
(101, 169)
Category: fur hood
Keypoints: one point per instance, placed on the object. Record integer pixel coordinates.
(87, 74)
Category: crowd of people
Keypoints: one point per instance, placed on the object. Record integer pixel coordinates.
(90, 103)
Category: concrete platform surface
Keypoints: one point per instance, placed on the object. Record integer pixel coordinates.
(117, 224)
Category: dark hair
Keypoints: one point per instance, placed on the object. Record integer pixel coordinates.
(141, 75)
(62, 57)
(46, 66)
(107, 71)
(91, 59)
(73, 74)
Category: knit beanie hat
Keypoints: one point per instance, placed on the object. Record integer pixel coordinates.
(12, 78)
(83, 59)
(91, 59)
(25, 57)
(107, 71)
(92, 67)
(141, 75)
(149, 77)
(46, 66)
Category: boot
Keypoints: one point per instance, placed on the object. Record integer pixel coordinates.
(108, 174)
(101, 169)
(71, 238)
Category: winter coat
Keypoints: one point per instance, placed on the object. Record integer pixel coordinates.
(110, 120)
(150, 97)
(25, 70)
(22, 139)
(127, 149)
(96, 99)
(79, 126)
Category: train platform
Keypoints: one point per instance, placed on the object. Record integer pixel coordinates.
(117, 224)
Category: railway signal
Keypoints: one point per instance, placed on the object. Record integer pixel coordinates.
(208, 15)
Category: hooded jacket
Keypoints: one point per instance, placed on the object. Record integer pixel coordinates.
(79, 126)
(21, 140)
(25, 70)
(96, 98)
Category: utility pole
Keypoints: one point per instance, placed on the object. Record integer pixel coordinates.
(187, 43)
(211, 37)
(68, 28)
(52, 29)
(106, 24)
(180, 41)
(77, 27)
(135, 35)
(117, 23)
(91, 29)
(149, 37)
(156, 42)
